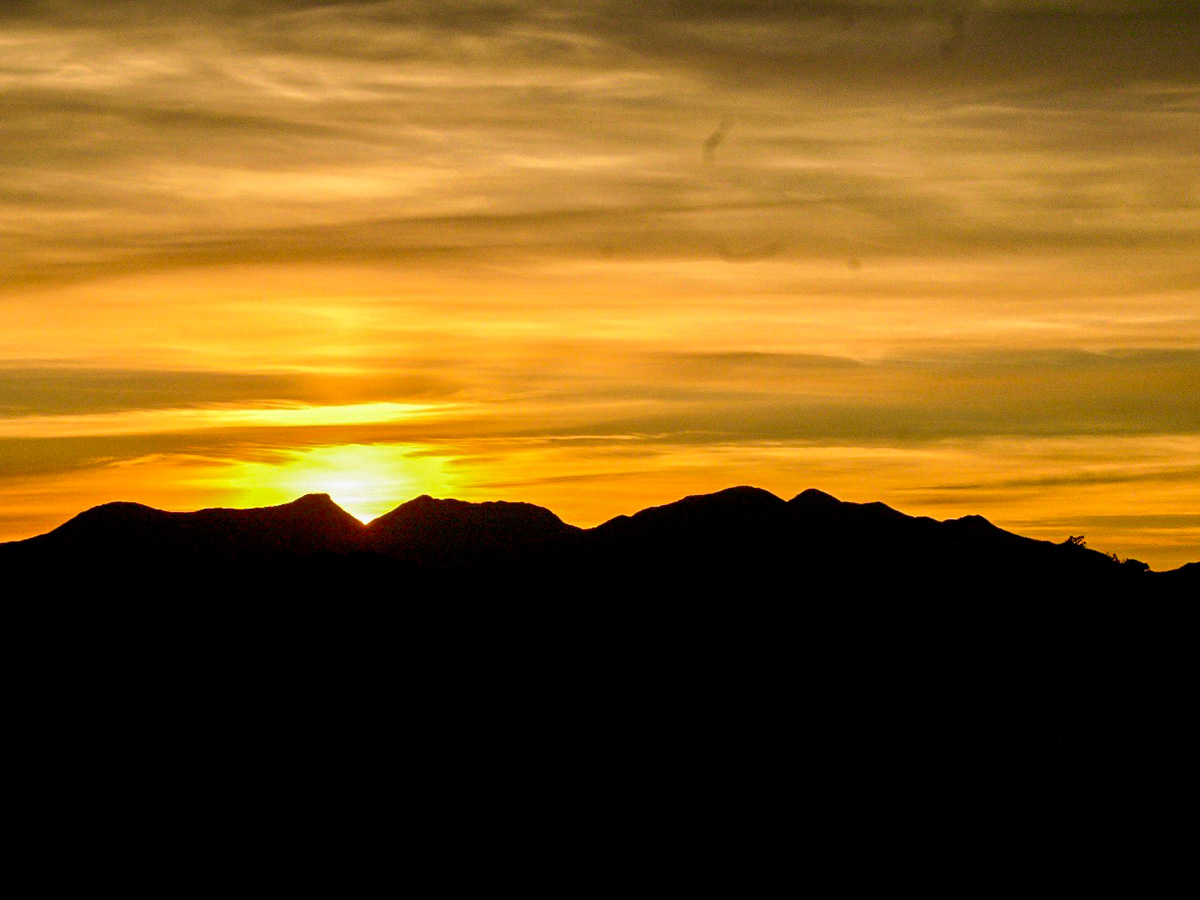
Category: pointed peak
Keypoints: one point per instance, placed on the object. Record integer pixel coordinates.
(322, 508)
(813, 497)
(317, 503)
(309, 503)
(974, 523)
(974, 520)
(314, 500)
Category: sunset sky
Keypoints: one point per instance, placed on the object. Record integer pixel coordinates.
(601, 254)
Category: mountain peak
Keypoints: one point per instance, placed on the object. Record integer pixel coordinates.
(118, 507)
(445, 533)
(745, 491)
(429, 510)
(116, 513)
(322, 508)
(734, 508)
(814, 497)
(977, 522)
(314, 501)
(740, 495)
(721, 531)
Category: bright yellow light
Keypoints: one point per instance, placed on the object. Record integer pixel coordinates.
(366, 480)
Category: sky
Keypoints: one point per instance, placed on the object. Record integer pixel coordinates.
(598, 255)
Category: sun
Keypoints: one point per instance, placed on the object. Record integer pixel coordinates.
(366, 480)
(358, 495)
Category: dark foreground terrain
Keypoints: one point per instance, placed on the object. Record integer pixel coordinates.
(808, 671)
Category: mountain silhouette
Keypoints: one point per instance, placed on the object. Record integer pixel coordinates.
(311, 524)
(730, 657)
(443, 533)
(740, 535)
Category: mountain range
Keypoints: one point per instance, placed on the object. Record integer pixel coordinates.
(743, 534)
(728, 658)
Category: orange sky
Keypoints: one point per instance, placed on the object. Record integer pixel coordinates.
(599, 255)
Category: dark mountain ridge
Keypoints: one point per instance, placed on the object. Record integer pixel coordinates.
(313, 523)
(727, 535)
(442, 533)
(715, 660)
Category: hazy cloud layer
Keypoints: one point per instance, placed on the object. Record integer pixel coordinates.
(145, 134)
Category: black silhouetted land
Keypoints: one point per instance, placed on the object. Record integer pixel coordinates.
(732, 657)
(738, 538)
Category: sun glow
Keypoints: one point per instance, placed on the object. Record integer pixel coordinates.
(366, 480)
